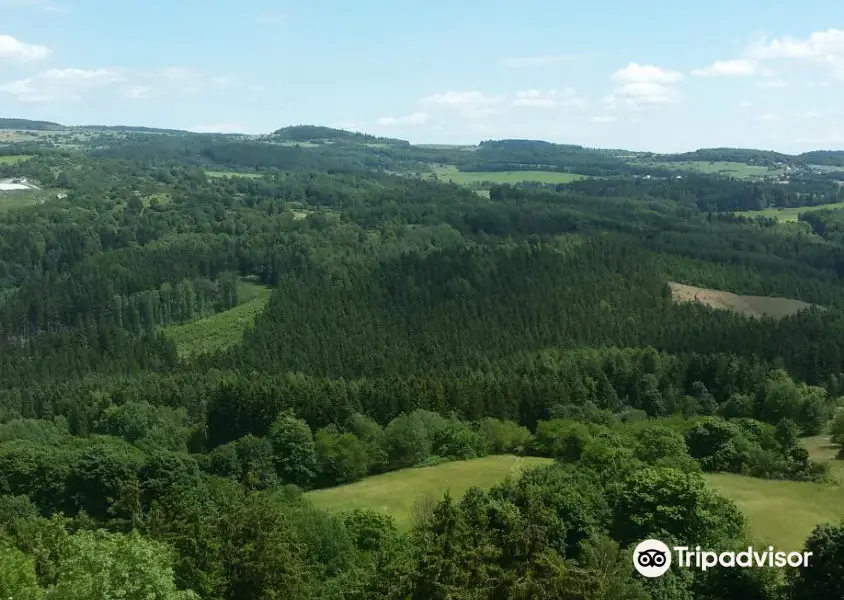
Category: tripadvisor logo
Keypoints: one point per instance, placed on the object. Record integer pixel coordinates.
(652, 558)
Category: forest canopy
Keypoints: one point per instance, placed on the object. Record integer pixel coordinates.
(395, 322)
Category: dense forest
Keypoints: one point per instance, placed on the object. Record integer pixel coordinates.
(410, 322)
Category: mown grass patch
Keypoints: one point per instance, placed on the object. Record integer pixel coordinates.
(784, 513)
(14, 159)
(725, 168)
(395, 493)
(790, 214)
(451, 173)
(24, 198)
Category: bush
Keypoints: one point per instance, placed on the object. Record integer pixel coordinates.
(504, 437)
(458, 442)
(560, 439)
(341, 457)
(370, 531)
(660, 442)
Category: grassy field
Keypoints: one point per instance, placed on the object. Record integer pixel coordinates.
(223, 329)
(788, 215)
(14, 159)
(783, 513)
(752, 306)
(728, 169)
(24, 198)
(827, 167)
(219, 174)
(450, 173)
(447, 147)
(395, 493)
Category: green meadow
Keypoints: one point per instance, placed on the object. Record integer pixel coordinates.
(25, 198)
(452, 174)
(395, 493)
(790, 214)
(783, 513)
(728, 169)
(14, 159)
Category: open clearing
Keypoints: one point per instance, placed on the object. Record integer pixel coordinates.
(395, 493)
(14, 159)
(788, 215)
(162, 198)
(223, 329)
(783, 513)
(25, 198)
(728, 169)
(752, 306)
(451, 173)
(220, 174)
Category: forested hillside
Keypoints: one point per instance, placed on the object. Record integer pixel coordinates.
(410, 322)
(29, 125)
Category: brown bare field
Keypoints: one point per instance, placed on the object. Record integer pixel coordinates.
(751, 306)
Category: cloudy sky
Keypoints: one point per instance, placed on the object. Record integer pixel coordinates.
(646, 75)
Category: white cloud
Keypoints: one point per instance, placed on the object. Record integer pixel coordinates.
(818, 44)
(739, 67)
(469, 103)
(219, 128)
(636, 73)
(745, 104)
(537, 61)
(821, 47)
(644, 85)
(604, 119)
(60, 84)
(771, 84)
(57, 85)
(642, 95)
(416, 118)
(138, 92)
(14, 49)
(769, 117)
(549, 99)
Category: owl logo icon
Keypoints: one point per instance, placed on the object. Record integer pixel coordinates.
(651, 558)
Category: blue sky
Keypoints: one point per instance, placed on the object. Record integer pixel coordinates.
(646, 75)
